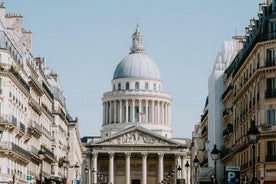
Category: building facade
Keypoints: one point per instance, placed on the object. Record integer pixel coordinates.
(135, 145)
(35, 127)
(249, 97)
(248, 101)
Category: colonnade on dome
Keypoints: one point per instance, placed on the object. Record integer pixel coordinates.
(136, 111)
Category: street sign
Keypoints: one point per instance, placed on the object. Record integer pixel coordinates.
(29, 178)
(75, 181)
(232, 174)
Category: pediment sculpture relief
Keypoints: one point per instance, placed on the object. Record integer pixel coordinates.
(135, 138)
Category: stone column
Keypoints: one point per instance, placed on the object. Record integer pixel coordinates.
(128, 154)
(126, 110)
(144, 168)
(115, 112)
(147, 112)
(160, 167)
(103, 113)
(152, 111)
(158, 112)
(140, 110)
(162, 113)
(183, 168)
(110, 112)
(106, 112)
(166, 113)
(94, 160)
(133, 110)
(111, 167)
(169, 114)
(120, 112)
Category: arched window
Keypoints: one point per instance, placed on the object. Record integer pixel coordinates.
(113, 87)
(127, 85)
(119, 86)
(154, 87)
(136, 85)
(146, 85)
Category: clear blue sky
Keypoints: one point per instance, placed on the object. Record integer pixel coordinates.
(83, 41)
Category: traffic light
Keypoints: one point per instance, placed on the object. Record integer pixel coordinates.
(212, 178)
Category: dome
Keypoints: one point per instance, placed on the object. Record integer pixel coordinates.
(137, 65)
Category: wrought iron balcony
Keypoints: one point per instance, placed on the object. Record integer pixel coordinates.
(8, 119)
(35, 128)
(271, 93)
(270, 158)
(14, 149)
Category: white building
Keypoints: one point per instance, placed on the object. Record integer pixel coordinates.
(33, 115)
(135, 144)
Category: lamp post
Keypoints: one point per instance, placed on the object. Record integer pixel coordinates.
(215, 156)
(41, 155)
(196, 165)
(252, 134)
(187, 166)
(76, 166)
(1, 133)
(178, 174)
(86, 170)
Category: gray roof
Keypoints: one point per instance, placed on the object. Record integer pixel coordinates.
(137, 65)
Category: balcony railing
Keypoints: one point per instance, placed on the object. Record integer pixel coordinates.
(270, 62)
(270, 158)
(271, 93)
(10, 146)
(9, 119)
(20, 80)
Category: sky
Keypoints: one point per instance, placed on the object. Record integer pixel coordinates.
(83, 42)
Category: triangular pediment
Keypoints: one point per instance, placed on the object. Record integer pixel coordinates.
(137, 136)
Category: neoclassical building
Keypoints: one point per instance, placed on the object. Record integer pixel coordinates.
(136, 144)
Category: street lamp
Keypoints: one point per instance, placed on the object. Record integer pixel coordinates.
(178, 173)
(76, 166)
(187, 166)
(196, 165)
(252, 134)
(86, 170)
(1, 133)
(215, 156)
(41, 155)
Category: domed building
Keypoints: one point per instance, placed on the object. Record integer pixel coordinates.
(136, 144)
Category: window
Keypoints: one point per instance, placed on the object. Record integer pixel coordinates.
(113, 87)
(136, 85)
(270, 57)
(127, 85)
(146, 85)
(154, 87)
(270, 116)
(270, 150)
(270, 88)
(119, 86)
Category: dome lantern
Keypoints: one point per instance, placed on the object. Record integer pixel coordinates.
(137, 41)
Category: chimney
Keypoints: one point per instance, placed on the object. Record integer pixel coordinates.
(54, 76)
(39, 62)
(14, 21)
(27, 39)
(2, 12)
